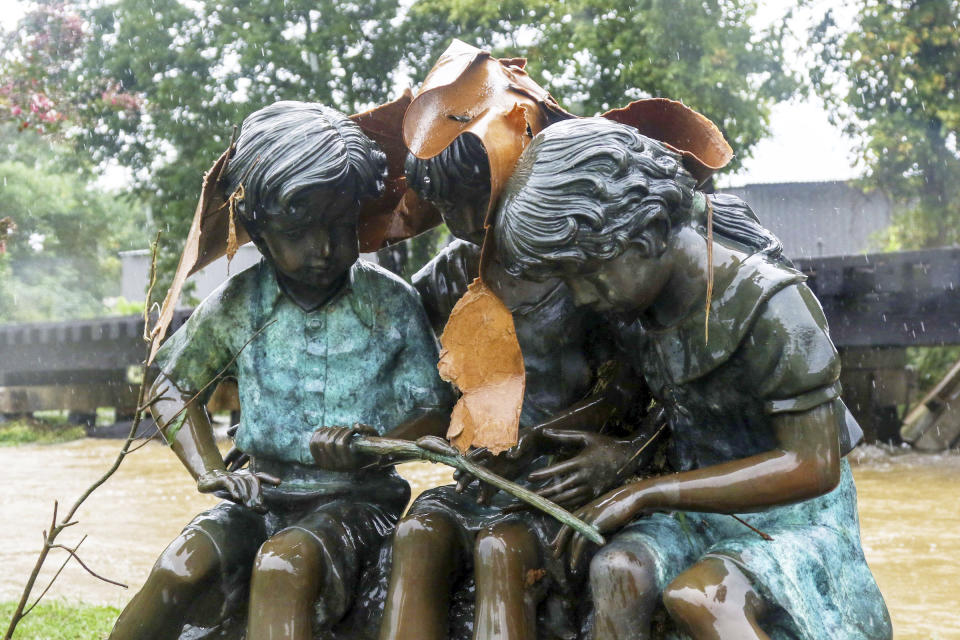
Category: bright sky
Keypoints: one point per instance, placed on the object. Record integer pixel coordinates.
(803, 145)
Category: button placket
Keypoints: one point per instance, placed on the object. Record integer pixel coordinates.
(314, 380)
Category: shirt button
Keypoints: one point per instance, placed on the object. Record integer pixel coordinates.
(312, 418)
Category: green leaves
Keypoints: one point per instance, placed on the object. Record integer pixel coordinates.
(599, 54)
(157, 85)
(894, 81)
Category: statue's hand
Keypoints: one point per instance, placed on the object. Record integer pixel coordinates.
(595, 469)
(508, 464)
(608, 514)
(332, 447)
(241, 487)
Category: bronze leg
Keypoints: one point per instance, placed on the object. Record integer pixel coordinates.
(713, 599)
(623, 587)
(503, 557)
(181, 573)
(426, 557)
(285, 583)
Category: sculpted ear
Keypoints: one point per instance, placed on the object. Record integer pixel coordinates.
(652, 240)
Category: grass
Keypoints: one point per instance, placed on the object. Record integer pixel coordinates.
(33, 431)
(56, 620)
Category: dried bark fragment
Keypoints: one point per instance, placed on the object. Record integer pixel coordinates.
(482, 357)
(207, 231)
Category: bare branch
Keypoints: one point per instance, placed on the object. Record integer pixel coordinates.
(84, 565)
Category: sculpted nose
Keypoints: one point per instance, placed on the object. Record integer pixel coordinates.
(584, 293)
(323, 245)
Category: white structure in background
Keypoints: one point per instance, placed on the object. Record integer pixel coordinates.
(819, 219)
(135, 265)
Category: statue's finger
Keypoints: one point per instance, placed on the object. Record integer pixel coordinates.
(567, 436)
(487, 491)
(572, 498)
(436, 444)
(565, 484)
(464, 481)
(560, 542)
(576, 550)
(561, 468)
(269, 479)
(238, 463)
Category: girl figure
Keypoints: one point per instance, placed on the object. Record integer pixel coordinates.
(751, 390)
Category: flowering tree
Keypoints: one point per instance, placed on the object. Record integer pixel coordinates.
(43, 87)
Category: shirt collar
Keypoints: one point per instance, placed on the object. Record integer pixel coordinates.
(742, 290)
(357, 289)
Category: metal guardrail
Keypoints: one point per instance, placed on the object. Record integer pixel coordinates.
(901, 299)
(887, 300)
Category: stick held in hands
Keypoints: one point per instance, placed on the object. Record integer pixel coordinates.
(443, 453)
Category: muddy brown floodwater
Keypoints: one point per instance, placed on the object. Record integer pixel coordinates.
(909, 510)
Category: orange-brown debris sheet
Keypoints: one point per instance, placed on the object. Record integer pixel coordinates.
(482, 357)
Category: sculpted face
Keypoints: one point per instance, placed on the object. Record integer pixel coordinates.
(465, 219)
(315, 242)
(628, 284)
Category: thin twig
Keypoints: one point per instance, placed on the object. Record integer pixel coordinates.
(636, 455)
(84, 565)
(68, 520)
(765, 536)
(219, 375)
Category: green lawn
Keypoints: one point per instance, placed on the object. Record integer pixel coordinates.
(61, 621)
(38, 431)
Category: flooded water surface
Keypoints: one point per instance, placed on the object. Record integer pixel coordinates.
(909, 509)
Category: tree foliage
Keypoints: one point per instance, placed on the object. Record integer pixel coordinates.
(595, 55)
(893, 81)
(61, 260)
(157, 85)
(198, 68)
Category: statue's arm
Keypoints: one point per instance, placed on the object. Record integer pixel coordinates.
(186, 426)
(806, 464)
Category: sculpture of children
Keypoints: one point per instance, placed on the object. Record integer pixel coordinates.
(758, 428)
(332, 341)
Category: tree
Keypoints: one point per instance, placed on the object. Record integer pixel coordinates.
(37, 60)
(599, 54)
(61, 260)
(893, 81)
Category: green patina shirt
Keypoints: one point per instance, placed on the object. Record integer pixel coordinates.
(368, 355)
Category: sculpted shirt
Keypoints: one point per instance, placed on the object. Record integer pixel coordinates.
(769, 351)
(368, 355)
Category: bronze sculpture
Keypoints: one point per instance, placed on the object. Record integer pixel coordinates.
(601, 270)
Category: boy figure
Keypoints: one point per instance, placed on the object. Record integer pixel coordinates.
(340, 342)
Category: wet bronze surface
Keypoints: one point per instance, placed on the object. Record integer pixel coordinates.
(909, 520)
